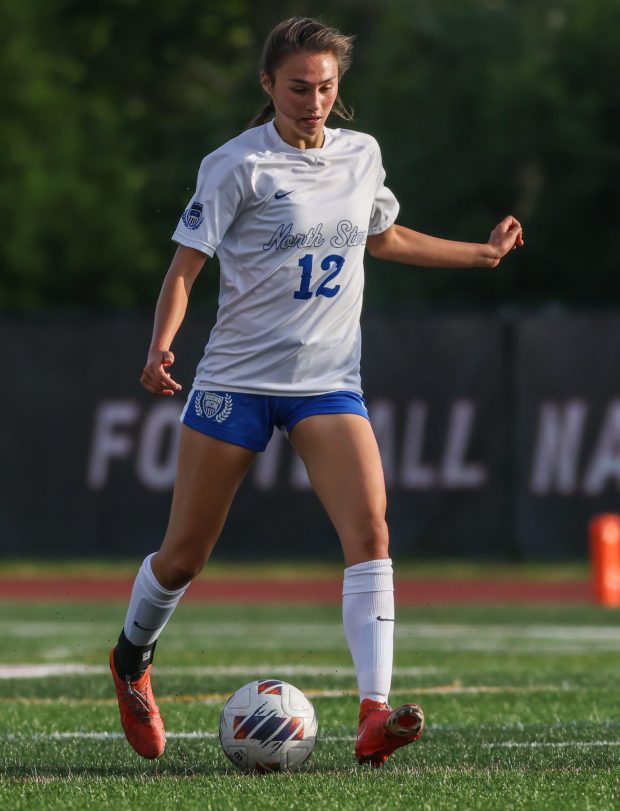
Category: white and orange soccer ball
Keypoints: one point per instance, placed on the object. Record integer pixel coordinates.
(268, 726)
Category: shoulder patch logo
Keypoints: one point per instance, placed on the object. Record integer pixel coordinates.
(193, 217)
(213, 406)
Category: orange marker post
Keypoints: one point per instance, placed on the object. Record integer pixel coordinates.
(605, 558)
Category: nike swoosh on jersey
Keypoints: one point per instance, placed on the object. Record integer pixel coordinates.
(385, 619)
(280, 194)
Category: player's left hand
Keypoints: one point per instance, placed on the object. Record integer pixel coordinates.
(506, 236)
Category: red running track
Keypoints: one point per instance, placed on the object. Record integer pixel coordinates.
(408, 592)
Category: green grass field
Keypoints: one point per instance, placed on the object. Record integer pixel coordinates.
(522, 703)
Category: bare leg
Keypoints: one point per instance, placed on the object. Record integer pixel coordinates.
(344, 466)
(208, 476)
(209, 473)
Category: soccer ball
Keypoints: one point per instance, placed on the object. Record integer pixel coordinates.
(268, 726)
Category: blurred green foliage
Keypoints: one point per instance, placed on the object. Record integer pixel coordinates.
(482, 107)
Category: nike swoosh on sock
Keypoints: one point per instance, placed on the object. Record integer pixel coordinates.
(142, 628)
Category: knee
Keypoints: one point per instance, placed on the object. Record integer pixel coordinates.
(376, 542)
(175, 572)
(371, 542)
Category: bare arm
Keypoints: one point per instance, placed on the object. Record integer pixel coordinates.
(400, 244)
(171, 307)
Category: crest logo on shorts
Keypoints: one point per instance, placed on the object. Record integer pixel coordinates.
(213, 406)
(193, 217)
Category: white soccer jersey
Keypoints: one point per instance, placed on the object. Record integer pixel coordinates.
(289, 228)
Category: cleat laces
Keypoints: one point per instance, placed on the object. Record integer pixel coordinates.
(138, 703)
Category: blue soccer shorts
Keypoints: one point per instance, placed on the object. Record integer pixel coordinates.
(249, 419)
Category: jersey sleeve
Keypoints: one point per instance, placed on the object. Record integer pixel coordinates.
(214, 206)
(385, 206)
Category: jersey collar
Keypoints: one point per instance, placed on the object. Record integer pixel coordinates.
(280, 145)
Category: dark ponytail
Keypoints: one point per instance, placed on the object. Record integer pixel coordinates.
(304, 34)
(265, 115)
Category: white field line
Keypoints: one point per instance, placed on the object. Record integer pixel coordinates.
(219, 698)
(204, 629)
(213, 736)
(548, 744)
(40, 671)
(491, 638)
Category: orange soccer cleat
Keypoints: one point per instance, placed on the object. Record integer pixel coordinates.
(383, 730)
(140, 716)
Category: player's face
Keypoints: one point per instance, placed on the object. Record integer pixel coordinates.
(304, 90)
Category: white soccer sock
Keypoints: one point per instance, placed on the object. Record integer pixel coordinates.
(368, 616)
(150, 607)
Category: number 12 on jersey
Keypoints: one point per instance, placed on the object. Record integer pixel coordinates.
(332, 261)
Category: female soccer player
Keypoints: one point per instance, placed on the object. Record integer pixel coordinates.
(289, 206)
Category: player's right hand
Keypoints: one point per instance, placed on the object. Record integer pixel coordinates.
(155, 378)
